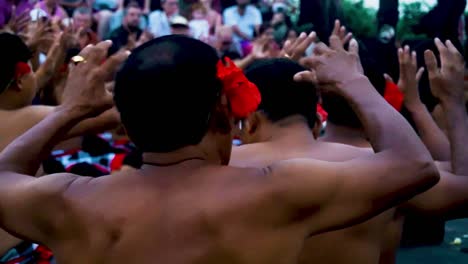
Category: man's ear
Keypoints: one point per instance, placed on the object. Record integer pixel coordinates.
(17, 84)
(221, 119)
(317, 126)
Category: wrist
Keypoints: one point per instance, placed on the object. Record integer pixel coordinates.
(73, 111)
(414, 105)
(451, 101)
(355, 81)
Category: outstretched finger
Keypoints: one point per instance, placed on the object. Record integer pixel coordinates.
(336, 28)
(306, 76)
(354, 47)
(414, 59)
(453, 50)
(302, 47)
(419, 74)
(112, 64)
(98, 53)
(402, 62)
(347, 38)
(431, 62)
(336, 43)
(388, 78)
(442, 50)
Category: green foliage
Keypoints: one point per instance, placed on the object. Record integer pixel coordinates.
(361, 20)
(411, 15)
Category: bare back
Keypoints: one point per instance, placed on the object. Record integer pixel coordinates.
(358, 244)
(155, 219)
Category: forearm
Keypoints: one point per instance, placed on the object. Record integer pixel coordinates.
(245, 62)
(25, 154)
(386, 130)
(457, 127)
(55, 57)
(430, 134)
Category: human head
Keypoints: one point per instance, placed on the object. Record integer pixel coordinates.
(170, 7)
(282, 97)
(180, 26)
(17, 86)
(132, 15)
(266, 31)
(243, 3)
(207, 3)
(224, 39)
(198, 11)
(165, 79)
(51, 2)
(338, 109)
(82, 18)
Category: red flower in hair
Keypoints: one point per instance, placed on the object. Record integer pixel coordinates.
(21, 69)
(243, 95)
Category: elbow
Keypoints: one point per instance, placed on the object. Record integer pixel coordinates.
(428, 174)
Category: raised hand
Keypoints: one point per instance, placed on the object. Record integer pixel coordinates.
(85, 88)
(295, 50)
(333, 65)
(340, 31)
(39, 34)
(447, 82)
(18, 24)
(261, 49)
(409, 76)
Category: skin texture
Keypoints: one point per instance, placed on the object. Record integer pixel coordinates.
(366, 243)
(18, 117)
(202, 211)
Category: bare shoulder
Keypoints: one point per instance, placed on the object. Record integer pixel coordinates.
(16, 122)
(253, 155)
(338, 152)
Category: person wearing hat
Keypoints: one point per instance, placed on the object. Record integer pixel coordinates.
(160, 21)
(180, 26)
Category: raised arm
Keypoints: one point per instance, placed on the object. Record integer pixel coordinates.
(449, 198)
(447, 84)
(430, 134)
(21, 194)
(327, 196)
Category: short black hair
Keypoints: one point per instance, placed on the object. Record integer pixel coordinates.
(166, 92)
(338, 109)
(281, 95)
(13, 50)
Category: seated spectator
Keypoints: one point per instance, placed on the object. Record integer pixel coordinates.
(214, 18)
(224, 43)
(83, 19)
(159, 21)
(120, 37)
(244, 19)
(117, 18)
(54, 11)
(71, 5)
(180, 26)
(199, 25)
(103, 12)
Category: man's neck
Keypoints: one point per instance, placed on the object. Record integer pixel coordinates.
(9, 104)
(241, 9)
(291, 129)
(190, 154)
(345, 135)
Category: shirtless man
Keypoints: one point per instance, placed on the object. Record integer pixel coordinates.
(185, 205)
(18, 86)
(367, 243)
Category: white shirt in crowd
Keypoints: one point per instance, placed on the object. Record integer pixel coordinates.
(246, 23)
(200, 28)
(159, 24)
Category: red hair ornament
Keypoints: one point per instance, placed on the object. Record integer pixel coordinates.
(244, 97)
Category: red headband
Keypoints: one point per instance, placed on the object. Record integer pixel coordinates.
(21, 69)
(243, 95)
